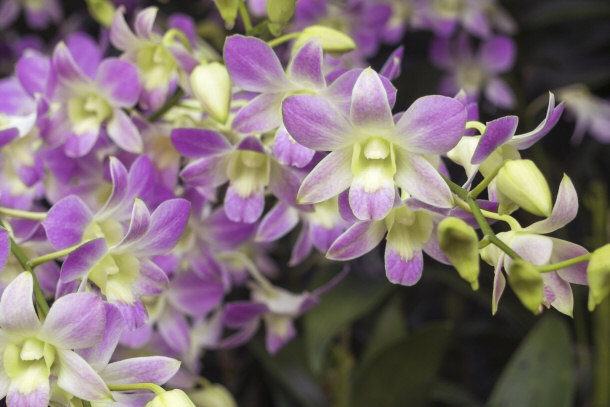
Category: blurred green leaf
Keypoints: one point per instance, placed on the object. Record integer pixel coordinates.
(344, 304)
(402, 375)
(540, 372)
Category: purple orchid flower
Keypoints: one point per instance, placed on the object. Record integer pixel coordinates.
(247, 167)
(38, 14)
(370, 153)
(443, 17)
(476, 73)
(539, 250)
(34, 351)
(591, 113)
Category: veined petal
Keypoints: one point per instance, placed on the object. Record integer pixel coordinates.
(150, 369)
(99, 356)
(497, 132)
(253, 65)
(421, 180)
(151, 280)
(66, 222)
(120, 185)
(400, 270)
(261, 114)
(208, 172)
(81, 145)
(38, 397)
(194, 295)
(558, 293)
(67, 70)
(76, 377)
(497, 54)
(370, 107)
(33, 73)
(431, 125)
(139, 224)
(370, 204)
(391, 69)
(17, 314)
(315, 123)
(174, 330)
(289, 152)
(564, 210)
(124, 133)
(306, 66)
(166, 225)
(280, 220)
(118, 80)
(284, 183)
(121, 35)
(245, 209)
(198, 142)
(81, 261)
(75, 321)
(329, 178)
(359, 239)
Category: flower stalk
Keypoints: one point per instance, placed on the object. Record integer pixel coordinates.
(43, 307)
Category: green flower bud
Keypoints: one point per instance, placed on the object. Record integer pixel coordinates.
(460, 243)
(211, 84)
(598, 275)
(228, 10)
(331, 39)
(172, 398)
(527, 283)
(521, 182)
(213, 395)
(102, 11)
(279, 13)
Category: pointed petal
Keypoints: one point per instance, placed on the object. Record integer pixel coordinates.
(289, 152)
(329, 178)
(533, 248)
(78, 263)
(151, 280)
(145, 21)
(120, 184)
(497, 132)
(66, 68)
(553, 113)
(208, 172)
(194, 295)
(79, 146)
(564, 210)
(261, 114)
(150, 369)
(369, 104)
(198, 142)
(431, 125)
(174, 330)
(280, 220)
(301, 248)
(391, 69)
(421, 180)
(99, 356)
(75, 321)
(284, 183)
(280, 331)
(33, 73)
(315, 123)
(359, 239)
(76, 377)
(253, 65)
(244, 209)
(66, 221)
(139, 225)
(499, 285)
(306, 66)
(558, 293)
(121, 35)
(371, 205)
(5, 247)
(118, 80)
(124, 133)
(323, 238)
(400, 270)
(17, 312)
(564, 250)
(167, 223)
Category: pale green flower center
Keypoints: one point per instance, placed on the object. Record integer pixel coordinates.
(115, 275)
(374, 162)
(326, 213)
(471, 77)
(157, 65)
(408, 230)
(449, 8)
(248, 172)
(28, 364)
(87, 113)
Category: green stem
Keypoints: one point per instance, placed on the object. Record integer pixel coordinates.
(476, 191)
(86, 403)
(17, 213)
(243, 11)
(563, 264)
(168, 105)
(158, 390)
(43, 307)
(478, 126)
(284, 38)
(37, 261)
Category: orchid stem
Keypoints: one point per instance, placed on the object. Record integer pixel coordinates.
(168, 105)
(563, 264)
(18, 213)
(86, 403)
(37, 261)
(284, 38)
(476, 191)
(43, 307)
(478, 126)
(243, 11)
(158, 390)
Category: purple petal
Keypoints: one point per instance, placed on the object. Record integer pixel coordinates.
(244, 209)
(564, 250)
(500, 94)
(145, 21)
(139, 224)
(65, 66)
(241, 313)
(99, 356)
(284, 183)
(370, 106)
(33, 73)
(261, 114)
(208, 172)
(120, 184)
(431, 125)
(134, 315)
(151, 280)
(558, 293)
(440, 53)
(253, 65)
(497, 54)
(323, 238)
(76, 377)
(306, 66)
(499, 285)
(315, 123)
(66, 221)
(280, 331)
(121, 35)
(289, 152)
(329, 178)
(166, 225)
(301, 248)
(119, 81)
(564, 210)
(80, 145)
(141, 177)
(359, 239)
(75, 321)
(280, 220)
(533, 248)
(124, 133)
(149, 369)
(198, 142)
(17, 312)
(174, 330)
(194, 295)
(421, 180)
(392, 68)
(371, 205)
(553, 113)
(400, 270)
(497, 132)
(85, 51)
(37, 397)
(81, 261)
(5, 247)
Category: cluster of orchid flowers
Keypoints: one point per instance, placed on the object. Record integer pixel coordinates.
(138, 191)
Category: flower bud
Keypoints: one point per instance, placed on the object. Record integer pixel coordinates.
(598, 276)
(527, 283)
(228, 10)
(331, 39)
(213, 395)
(521, 182)
(102, 11)
(172, 398)
(279, 13)
(211, 84)
(460, 243)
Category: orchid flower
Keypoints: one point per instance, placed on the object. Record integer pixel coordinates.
(591, 113)
(444, 16)
(38, 14)
(370, 153)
